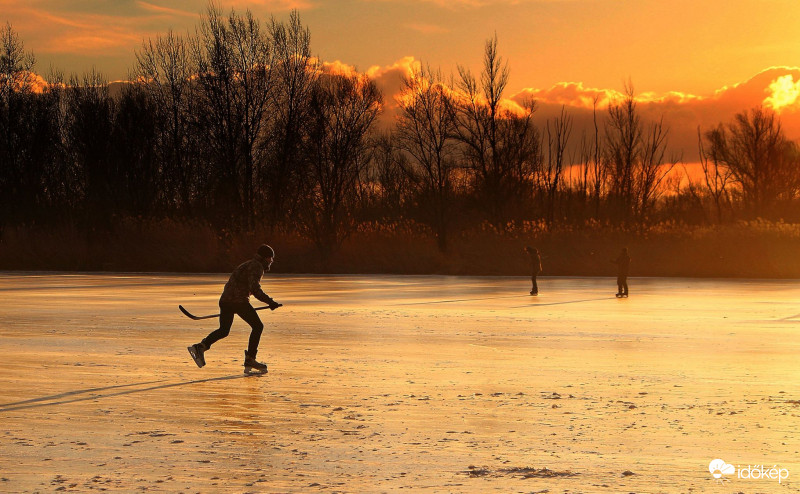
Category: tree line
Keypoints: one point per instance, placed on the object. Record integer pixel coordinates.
(238, 125)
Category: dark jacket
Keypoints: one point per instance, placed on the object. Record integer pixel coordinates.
(245, 281)
(536, 263)
(623, 263)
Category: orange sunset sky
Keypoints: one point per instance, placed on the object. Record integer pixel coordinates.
(695, 62)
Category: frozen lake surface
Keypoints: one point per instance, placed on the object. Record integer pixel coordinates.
(382, 383)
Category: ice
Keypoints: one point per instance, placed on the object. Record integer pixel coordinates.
(377, 383)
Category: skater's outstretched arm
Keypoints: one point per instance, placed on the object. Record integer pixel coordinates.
(255, 289)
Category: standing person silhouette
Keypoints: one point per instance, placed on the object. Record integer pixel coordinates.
(536, 267)
(623, 262)
(235, 300)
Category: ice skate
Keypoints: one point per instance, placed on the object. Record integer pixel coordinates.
(251, 366)
(196, 351)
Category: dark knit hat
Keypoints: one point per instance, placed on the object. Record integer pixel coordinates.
(266, 251)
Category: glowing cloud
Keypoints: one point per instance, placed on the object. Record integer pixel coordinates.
(338, 67)
(405, 67)
(570, 94)
(28, 80)
(784, 93)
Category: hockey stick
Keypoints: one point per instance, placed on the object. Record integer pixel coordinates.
(197, 318)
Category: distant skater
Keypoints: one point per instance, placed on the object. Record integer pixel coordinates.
(623, 262)
(536, 267)
(244, 281)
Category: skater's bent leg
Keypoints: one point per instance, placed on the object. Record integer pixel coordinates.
(250, 316)
(225, 322)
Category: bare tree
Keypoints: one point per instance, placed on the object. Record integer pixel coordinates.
(16, 64)
(135, 136)
(232, 57)
(593, 167)
(91, 112)
(15, 103)
(635, 156)
(59, 178)
(623, 139)
(758, 156)
(599, 172)
(252, 64)
(521, 156)
(653, 168)
(425, 131)
(344, 109)
(215, 116)
(387, 177)
(164, 71)
(717, 178)
(550, 176)
(499, 147)
(296, 73)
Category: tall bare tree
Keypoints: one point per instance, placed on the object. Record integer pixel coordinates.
(344, 109)
(164, 70)
(90, 126)
(635, 156)
(653, 167)
(623, 134)
(139, 184)
(296, 73)
(16, 89)
(232, 56)
(716, 177)
(592, 176)
(425, 131)
(215, 117)
(759, 157)
(387, 179)
(550, 175)
(252, 64)
(500, 147)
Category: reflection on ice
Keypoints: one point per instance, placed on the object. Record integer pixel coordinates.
(378, 383)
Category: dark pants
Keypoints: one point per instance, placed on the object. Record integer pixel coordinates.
(246, 312)
(622, 285)
(534, 286)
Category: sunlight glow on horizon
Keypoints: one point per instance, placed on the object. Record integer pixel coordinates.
(698, 73)
(545, 42)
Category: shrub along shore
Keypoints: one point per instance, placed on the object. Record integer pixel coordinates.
(755, 249)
